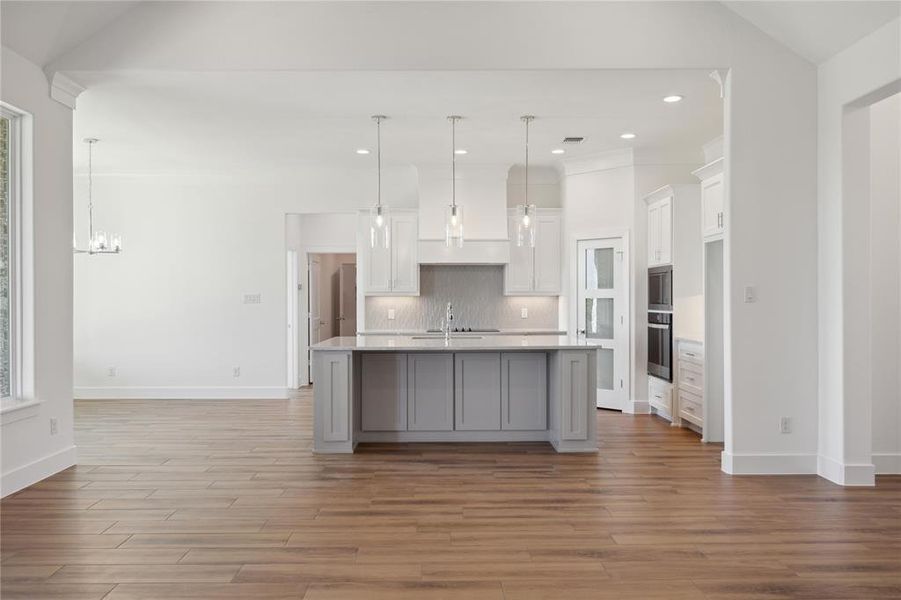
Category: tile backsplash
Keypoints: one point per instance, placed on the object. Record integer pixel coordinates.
(477, 293)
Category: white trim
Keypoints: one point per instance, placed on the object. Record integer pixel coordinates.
(887, 463)
(452, 436)
(845, 474)
(769, 464)
(26, 475)
(613, 159)
(181, 393)
(12, 411)
(65, 90)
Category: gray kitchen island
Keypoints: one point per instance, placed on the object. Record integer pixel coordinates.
(466, 388)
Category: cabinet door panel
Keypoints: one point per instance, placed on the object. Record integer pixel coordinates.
(712, 205)
(332, 396)
(574, 396)
(666, 231)
(477, 391)
(384, 392)
(548, 255)
(404, 265)
(518, 274)
(430, 392)
(653, 235)
(524, 391)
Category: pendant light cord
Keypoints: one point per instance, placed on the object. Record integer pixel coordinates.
(91, 143)
(453, 121)
(527, 119)
(378, 127)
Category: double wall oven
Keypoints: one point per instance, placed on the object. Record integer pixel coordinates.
(660, 322)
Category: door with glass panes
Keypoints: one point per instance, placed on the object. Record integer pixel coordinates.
(603, 315)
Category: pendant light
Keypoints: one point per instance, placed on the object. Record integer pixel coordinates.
(99, 242)
(525, 213)
(453, 224)
(379, 223)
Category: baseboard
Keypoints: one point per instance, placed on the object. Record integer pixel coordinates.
(769, 464)
(887, 463)
(638, 407)
(180, 393)
(846, 474)
(29, 474)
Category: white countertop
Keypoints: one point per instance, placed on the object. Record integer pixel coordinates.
(407, 332)
(436, 343)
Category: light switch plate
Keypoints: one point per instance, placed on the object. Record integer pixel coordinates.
(390, 314)
(252, 299)
(750, 294)
(524, 313)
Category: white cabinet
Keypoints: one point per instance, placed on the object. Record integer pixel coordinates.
(477, 391)
(660, 230)
(535, 271)
(660, 395)
(523, 391)
(713, 220)
(690, 381)
(430, 392)
(395, 270)
(384, 397)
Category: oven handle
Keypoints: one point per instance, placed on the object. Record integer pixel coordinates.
(656, 326)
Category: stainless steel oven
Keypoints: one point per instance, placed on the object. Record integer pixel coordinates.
(660, 288)
(660, 345)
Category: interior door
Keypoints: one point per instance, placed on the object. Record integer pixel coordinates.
(603, 315)
(314, 323)
(347, 300)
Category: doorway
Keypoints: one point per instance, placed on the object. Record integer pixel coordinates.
(331, 298)
(603, 314)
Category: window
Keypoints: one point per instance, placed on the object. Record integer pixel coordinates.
(16, 324)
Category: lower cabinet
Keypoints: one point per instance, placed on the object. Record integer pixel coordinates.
(660, 395)
(430, 392)
(523, 391)
(384, 397)
(477, 391)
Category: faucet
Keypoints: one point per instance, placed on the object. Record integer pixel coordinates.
(448, 317)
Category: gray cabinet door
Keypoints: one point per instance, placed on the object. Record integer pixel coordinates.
(384, 392)
(574, 395)
(430, 392)
(524, 391)
(477, 391)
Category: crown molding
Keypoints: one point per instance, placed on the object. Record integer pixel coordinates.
(603, 161)
(64, 89)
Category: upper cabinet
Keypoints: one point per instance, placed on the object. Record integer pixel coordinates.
(660, 227)
(394, 270)
(535, 271)
(713, 220)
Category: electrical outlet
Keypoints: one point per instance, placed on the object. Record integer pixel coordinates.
(236, 371)
(390, 314)
(523, 313)
(112, 371)
(54, 426)
(785, 425)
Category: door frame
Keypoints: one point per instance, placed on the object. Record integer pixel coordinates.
(628, 289)
(291, 331)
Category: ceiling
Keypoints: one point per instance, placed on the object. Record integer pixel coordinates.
(817, 30)
(153, 122)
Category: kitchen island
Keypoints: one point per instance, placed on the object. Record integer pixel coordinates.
(468, 388)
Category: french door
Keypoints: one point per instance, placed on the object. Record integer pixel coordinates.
(603, 315)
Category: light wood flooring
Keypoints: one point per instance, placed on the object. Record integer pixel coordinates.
(223, 500)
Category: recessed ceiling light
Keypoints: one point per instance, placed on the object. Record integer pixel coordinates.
(628, 136)
(672, 99)
(460, 151)
(362, 151)
(558, 151)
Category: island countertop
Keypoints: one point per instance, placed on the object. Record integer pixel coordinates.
(458, 342)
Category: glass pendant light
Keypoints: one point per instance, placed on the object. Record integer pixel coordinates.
(99, 242)
(379, 223)
(453, 223)
(525, 213)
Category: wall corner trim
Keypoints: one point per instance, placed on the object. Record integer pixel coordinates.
(844, 473)
(769, 464)
(64, 89)
(26, 475)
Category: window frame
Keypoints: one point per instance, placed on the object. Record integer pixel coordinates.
(21, 263)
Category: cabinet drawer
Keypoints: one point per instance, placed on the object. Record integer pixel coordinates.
(691, 408)
(660, 395)
(691, 353)
(691, 378)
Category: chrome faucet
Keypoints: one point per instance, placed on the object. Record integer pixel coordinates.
(448, 317)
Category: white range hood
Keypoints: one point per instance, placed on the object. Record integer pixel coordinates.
(482, 191)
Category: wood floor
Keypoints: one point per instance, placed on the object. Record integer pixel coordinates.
(221, 500)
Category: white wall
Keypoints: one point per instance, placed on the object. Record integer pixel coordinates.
(847, 83)
(29, 451)
(481, 191)
(885, 290)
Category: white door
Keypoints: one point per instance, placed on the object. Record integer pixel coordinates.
(347, 300)
(314, 323)
(603, 310)
(291, 332)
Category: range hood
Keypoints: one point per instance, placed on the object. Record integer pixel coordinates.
(473, 252)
